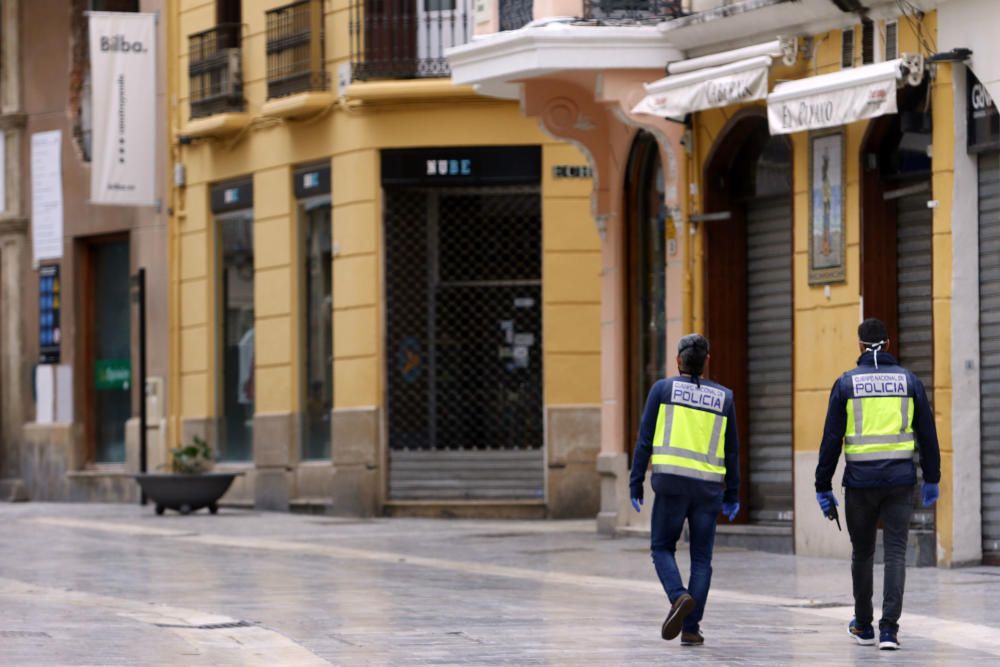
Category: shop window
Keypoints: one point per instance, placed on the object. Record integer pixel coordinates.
(847, 48)
(318, 372)
(237, 312)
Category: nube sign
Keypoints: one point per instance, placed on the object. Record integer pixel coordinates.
(123, 76)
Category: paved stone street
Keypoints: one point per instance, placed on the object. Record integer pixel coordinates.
(117, 585)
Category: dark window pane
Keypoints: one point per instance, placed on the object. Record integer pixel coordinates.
(239, 390)
(112, 349)
(319, 335)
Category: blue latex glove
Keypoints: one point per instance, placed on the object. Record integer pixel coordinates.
(826, 501)
(730, 510)
(637, 503)
(929, 494)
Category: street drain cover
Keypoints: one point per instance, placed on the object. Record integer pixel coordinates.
(24, 634)
(818, 605)
(208, 626)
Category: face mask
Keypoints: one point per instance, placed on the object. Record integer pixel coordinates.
(874, 347)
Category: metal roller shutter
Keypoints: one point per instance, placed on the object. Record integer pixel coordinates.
(989, 342)
(464, 337)
(769, 357)
(914, 286)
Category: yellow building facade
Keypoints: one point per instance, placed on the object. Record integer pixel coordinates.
(300, 215)
(782, 238)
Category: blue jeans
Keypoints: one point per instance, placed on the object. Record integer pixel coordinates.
(669, 514)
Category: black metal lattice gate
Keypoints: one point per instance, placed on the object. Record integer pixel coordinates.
(464, 342)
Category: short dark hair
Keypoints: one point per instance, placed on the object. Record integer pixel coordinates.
(872, 330)
(693, 350)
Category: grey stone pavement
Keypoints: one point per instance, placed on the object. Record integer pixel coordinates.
(117, 585)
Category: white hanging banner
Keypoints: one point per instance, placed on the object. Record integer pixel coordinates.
(46, 195)
(680, 94)
(123, 79)
(834, 99)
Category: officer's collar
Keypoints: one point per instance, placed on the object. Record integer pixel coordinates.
(884, 359)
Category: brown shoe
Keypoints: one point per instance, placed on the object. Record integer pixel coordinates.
(692, 639)
(679, 610)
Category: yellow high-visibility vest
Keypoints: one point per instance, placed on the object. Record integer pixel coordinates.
(879, 419)
(690, 442)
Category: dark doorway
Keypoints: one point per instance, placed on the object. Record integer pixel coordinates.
(748, 304)
(646, 278)
(228, 11)
(108, 348)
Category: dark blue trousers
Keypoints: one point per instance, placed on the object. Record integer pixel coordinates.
(669, 514)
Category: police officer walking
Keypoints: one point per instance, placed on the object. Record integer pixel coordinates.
(689, 430)
(880, 415)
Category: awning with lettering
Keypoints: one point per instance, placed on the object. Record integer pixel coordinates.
(680, 94)
(839, 98)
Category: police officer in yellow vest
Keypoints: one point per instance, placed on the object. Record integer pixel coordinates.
(689, 430)
(880, 415)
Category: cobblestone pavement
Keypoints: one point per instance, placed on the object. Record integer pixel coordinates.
(117, 585)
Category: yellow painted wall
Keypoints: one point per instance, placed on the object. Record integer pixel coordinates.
(351, 139)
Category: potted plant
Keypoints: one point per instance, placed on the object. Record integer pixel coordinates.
(190, 485)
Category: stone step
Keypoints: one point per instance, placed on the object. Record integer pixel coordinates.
(773, 538)
(12, 490)
(468, 509)
(305, 505)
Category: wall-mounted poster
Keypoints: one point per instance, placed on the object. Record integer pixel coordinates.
(826, 208)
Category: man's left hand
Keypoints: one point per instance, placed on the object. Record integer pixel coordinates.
(929, 494)
(730, 510)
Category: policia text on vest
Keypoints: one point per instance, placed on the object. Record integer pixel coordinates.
(688, 431)
(879, 415)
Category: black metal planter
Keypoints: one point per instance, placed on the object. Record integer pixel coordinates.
(186, 493)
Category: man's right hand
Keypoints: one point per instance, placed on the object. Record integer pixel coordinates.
(637, 503)
(827, 501)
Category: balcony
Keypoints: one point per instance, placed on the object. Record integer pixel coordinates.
(406, 39)
(215, 71)
(632, 11)
(295, 49)
(516, 14)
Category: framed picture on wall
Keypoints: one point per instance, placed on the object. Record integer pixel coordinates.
(827, 246)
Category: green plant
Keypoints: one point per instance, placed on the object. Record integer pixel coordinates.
(192, 459)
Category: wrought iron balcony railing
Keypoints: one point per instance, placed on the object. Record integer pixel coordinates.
(406, 39)
(516, 14)
(215, 71)
(295, 48)
(632, 11)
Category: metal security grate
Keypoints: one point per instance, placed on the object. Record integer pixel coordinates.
(769, 386)
(463, 284)
(989, 351)
(915, 348)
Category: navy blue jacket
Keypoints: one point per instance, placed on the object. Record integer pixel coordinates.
(676, 484)
(868, 474)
